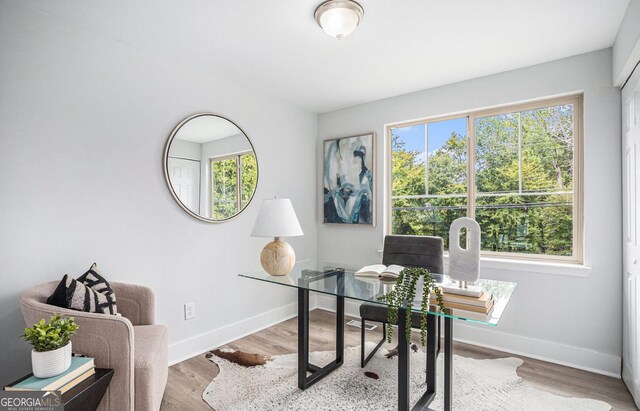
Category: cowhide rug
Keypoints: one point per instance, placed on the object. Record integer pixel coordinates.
(478, 385)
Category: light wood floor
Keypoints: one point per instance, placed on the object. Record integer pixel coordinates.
(188, 379)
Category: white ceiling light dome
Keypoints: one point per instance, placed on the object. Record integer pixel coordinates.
(339, 18)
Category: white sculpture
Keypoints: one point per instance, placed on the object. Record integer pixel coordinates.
(464, 263)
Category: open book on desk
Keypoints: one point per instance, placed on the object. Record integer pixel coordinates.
(380, 270)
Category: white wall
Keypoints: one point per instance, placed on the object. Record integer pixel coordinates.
(567, 319)
(626, 48)
(83, 123)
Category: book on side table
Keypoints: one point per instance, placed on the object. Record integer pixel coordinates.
(81, 368)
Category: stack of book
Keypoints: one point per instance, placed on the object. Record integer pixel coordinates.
(81, 368)
(474, 308)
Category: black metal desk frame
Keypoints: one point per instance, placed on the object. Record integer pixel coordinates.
(304, 366)
(433, 347)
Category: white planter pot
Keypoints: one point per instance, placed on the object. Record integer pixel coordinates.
(47, 364)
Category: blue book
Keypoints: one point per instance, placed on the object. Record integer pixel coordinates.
(79, 366)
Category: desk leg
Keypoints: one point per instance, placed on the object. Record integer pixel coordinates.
(433, 346)
(439, 333)
(340, 330)
(340, 321)
(304, 366)
(448, 363)
(403, 362)
(432, 350)
(303, 337)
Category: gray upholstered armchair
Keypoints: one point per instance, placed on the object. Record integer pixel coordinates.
(130, 344)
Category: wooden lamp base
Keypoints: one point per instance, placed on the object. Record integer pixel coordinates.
(277, 257)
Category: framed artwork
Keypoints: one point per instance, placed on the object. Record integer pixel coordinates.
(349, 180)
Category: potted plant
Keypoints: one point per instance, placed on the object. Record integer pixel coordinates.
(408, 283)
(51, 353)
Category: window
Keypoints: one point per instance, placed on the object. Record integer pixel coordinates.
(232, 182)
(516, 170)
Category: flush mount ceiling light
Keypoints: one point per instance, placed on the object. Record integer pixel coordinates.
(339, 18)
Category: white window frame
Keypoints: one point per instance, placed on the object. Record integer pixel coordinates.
(578, 183)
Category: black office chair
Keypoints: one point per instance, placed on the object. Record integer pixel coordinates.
(407, 251)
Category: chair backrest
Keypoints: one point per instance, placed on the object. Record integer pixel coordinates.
(34, 302)
(414, 251)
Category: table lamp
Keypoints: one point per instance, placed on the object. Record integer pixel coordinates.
(277, 219)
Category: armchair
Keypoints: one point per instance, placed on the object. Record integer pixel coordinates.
(130, 344)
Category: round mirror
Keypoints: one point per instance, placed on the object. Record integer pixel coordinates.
(210, 167)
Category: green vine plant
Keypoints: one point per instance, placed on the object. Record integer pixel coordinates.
(52, 335)
(403, 294)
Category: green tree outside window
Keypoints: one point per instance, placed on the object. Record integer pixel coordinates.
(233, 181)
(524, 179)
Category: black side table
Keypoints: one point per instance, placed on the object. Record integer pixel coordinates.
(87, 395)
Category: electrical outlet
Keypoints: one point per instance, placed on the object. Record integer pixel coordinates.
(189, 311)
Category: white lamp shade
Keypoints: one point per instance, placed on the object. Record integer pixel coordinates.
(276, 219)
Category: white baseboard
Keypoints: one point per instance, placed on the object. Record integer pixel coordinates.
(201, 343)
(545, 350)
(490, 337)
(328, 303)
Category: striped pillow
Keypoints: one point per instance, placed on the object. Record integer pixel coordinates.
(71, 293)
(97, 283)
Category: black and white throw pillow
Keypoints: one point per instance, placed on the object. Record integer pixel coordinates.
(73, 294)
(94, 280)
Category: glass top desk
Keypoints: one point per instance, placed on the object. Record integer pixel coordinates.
(339, 280)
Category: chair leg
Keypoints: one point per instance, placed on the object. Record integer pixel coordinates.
(363, 360)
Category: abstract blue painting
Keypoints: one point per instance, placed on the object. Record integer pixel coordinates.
(349, 180)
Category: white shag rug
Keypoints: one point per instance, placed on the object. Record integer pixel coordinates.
(478, 385)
